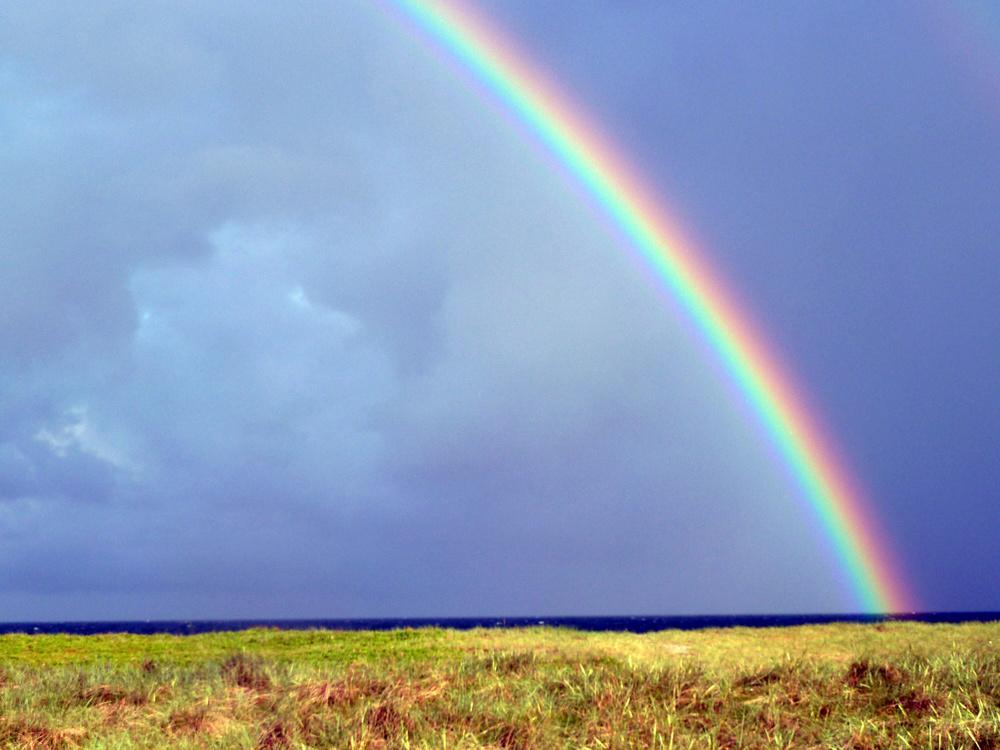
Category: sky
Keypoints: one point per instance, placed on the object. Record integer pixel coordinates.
(297, 322)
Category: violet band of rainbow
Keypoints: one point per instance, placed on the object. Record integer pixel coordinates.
(832, 495)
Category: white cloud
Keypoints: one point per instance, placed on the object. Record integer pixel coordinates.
(77, 432)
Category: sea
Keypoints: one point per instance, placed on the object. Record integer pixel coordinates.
(625, 623)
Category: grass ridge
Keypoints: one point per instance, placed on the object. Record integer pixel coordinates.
(826, 686)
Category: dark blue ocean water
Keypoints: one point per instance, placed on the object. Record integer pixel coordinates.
(631, 624)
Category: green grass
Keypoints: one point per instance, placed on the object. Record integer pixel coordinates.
(832, 686)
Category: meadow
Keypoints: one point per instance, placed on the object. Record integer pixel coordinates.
(891, 685)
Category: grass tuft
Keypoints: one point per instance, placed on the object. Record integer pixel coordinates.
(277, 735)
(245, 671)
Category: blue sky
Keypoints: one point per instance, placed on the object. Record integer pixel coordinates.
(295, 324)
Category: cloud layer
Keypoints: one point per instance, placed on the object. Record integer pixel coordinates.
(294, 325)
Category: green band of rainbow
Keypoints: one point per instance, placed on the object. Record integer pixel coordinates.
(498, 65)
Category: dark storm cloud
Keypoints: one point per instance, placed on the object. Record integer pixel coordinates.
(293, 325)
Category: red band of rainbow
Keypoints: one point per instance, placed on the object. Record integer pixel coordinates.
(827, 487)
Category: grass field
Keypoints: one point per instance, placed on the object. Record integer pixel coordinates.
(832, 686)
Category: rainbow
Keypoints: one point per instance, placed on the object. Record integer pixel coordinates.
(508, 75)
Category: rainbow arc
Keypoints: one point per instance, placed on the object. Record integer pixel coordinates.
(825, 484)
